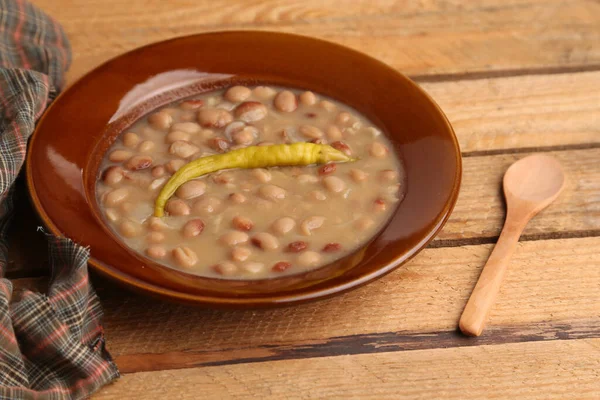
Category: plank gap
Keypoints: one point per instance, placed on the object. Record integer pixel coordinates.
(384, 342)
(520, 150)
(503, 73)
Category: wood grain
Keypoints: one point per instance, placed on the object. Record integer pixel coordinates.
(525, 112)
(479, 213)
(356, 344)
(419, 38)
(551, 281)
(549, 370)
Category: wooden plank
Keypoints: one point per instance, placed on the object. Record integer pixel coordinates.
(419, 38)
(550, 281)
(525, 112)
(480, 211)
(549, 370)
(366, 343)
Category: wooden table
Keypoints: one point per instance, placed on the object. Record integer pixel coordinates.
(514, 77)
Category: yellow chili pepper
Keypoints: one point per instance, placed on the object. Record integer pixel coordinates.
(249, 157)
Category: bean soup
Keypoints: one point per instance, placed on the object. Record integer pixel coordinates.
(254, 223)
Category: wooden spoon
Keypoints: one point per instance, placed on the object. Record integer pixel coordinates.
(530, 185)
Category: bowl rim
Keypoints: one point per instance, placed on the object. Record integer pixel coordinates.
(310, 293)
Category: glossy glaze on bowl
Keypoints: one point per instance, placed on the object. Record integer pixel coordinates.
(70, 140)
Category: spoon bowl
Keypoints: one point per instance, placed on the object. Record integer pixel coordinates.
(533, 182)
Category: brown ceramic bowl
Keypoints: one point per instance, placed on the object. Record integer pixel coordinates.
(69, 142)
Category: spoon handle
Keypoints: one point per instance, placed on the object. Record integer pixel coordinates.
(484, 295)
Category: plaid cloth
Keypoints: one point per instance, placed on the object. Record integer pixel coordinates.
(51, 345)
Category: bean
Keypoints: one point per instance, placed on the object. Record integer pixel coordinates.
(246, 136)
(305, 178)
(343, 147)
(157, 183)
(327, 169)
(184, 257)
(253, 267)
(214, 117)
(156, 224)
(388, 175)
(363, 223)
(344, 118)
(206, 134)
(310, 224)
(177, 207)
(263, 92)
(155, 237)
(126, 207)
(158, 171)
(217, 143)
(237, 198)
(251, 111)
(131, 139)
(207, 205)
(111, 214)
(129, 229)
(187, 116)
(113, 175)
(378, 150)
(281, 266)
(332, 248)
(236, 94)
(187, 127)
(297, 247)
(115, 197)
(136, 163)
(234, 127)
(311, 132)
(192, 228)
(240, 253)
(272, 192)
(119, 155)
(242, 223)
(334, 184)
(226, 268)
(234, 238)
(265, 241)
(333, 133)
(222, 178)
(191, 189)
(160, 120)
(308, 98)
(191, 104)
(156, 252)
(175, 136)
(283, 225)
(173, 165)
(379, 205)
(309, 259)
(261, 174)
(374, 132)
(327, 105)
(183, 149)
(285, 101)
(317, 195)
(358, 175)
(146, 146)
